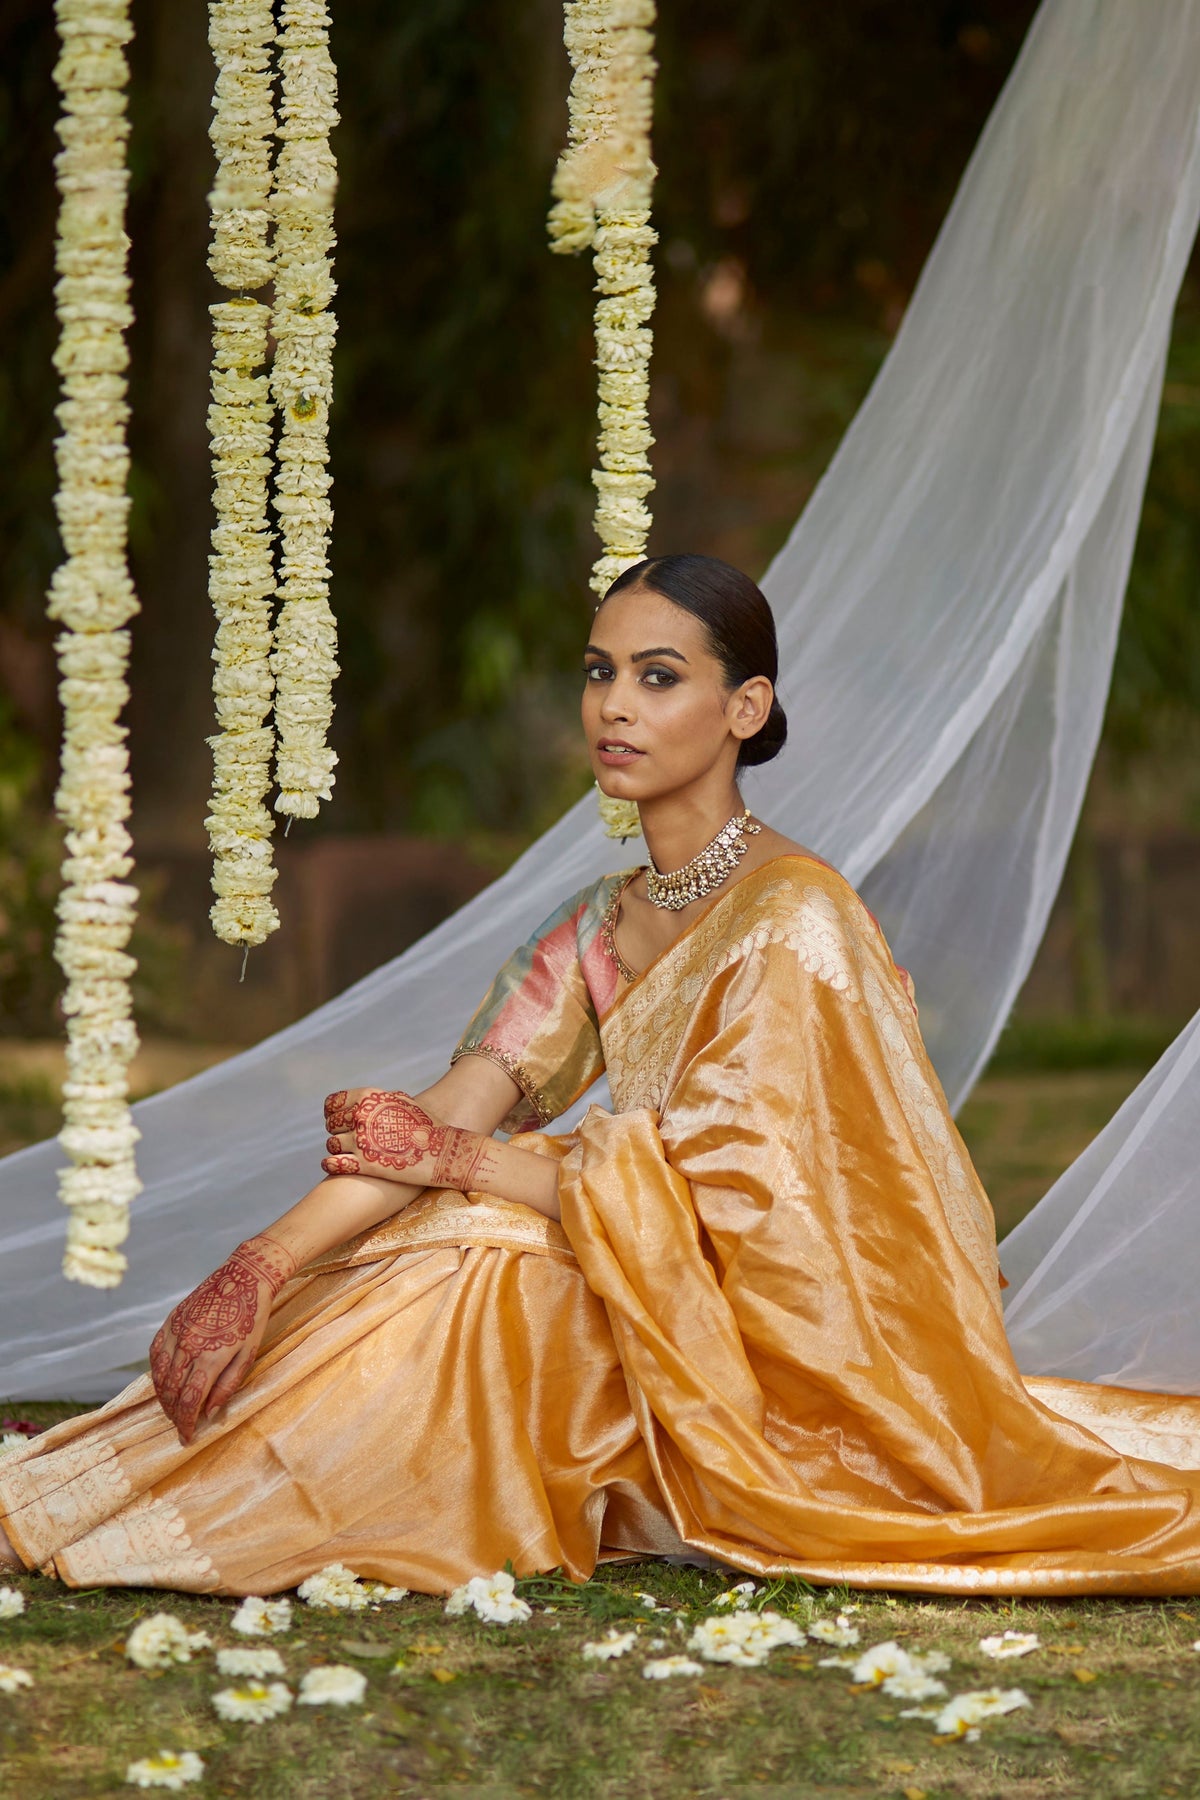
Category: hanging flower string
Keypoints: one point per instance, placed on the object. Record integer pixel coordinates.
(304, 661)
(92, 596)
(241, 575)
(602, 189)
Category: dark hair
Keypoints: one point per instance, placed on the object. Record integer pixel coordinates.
(739, 623)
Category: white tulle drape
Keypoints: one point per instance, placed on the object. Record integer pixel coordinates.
(948, 605)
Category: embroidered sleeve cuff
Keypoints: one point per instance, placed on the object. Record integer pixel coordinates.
(535, 1110)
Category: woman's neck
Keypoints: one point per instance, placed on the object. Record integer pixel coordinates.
(677, 827)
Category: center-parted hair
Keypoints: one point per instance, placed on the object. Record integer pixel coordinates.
(739, 624)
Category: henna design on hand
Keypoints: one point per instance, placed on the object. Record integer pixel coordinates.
(460, 1160)
(338, 1116)
(220, 1314)
(341, 1165)
(393, 1131)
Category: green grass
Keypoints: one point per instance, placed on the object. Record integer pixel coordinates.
(483, 1709)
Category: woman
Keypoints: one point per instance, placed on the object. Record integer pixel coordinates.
(753, 1313)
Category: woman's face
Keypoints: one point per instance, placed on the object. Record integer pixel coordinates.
(656, 711)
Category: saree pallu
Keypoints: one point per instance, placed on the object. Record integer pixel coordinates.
(767, 1331)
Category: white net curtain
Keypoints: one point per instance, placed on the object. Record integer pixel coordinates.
(948, 605)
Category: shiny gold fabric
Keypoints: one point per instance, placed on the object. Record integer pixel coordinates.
(768, 1329)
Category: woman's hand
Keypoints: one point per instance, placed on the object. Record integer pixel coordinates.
(207, 1347)
(388, 1134)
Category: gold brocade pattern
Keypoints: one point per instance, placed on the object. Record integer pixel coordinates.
(439, 1218)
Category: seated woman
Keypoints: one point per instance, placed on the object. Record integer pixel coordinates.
(753, 1313)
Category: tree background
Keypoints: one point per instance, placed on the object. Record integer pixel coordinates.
(807, 155)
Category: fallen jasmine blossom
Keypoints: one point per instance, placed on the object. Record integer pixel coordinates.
(12, 1440)
(378, 1591)
(882, 1662)
(743, 1638)
(12, 1680)
(839, 1632)
(837, 1662)
(161, 1640)
(334, 1588)
(738, 1597)
(963, 1714)
(256, 1617)
(254, 1703)
(650, 1603)
(615, 1644)
(333, 1684)
(492, 1597)
(663, 1667)
(1012, 1643)
(913, 1687)
(169, 1769)
(255, 1663)
(12, 1602)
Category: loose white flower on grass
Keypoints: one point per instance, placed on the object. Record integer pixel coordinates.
(12, 1602)
(663, 1667)
(738, 1597)
(335, 1588)
(839, 1632)
(1012, 1643)
(161, 1640)
(256, 1617)
(169, 1769)
(13, 1680)
(333, 1684)
(614, 1643)
(914, 1686)
(12, 1440)
(963, 1714)
(883, 1661)
(650, 1603)
(378, 1591)
(743, 1638)
(254, 1703)
(492, 1597)
(255, 1663)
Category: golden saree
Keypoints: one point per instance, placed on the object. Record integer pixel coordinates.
(768, 1329)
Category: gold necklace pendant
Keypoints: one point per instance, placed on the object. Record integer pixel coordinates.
(707, 869)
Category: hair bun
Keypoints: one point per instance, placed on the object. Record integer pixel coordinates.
(766, 742)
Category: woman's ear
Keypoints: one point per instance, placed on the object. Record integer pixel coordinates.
(748, 706)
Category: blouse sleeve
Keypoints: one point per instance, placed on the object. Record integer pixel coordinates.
(538, 1021)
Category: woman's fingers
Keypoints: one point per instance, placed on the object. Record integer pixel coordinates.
(230, 1380)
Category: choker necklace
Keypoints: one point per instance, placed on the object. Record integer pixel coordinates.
(706, 871)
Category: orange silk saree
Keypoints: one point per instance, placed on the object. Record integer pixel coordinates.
(767, 1330)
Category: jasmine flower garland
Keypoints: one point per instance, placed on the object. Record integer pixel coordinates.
(91, 594)
(602, 188)
(304, 661)
(241, 576)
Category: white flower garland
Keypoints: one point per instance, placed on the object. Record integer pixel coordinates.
(92, 595)
(241, 576)
(602, 189)
(302, 383)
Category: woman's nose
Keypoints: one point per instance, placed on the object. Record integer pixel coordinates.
(616, 703)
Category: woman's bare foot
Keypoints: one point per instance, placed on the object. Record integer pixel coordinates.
(8, 1556)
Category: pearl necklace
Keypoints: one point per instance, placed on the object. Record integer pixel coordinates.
(706, 871)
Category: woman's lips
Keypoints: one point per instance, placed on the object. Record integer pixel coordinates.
(617, 755)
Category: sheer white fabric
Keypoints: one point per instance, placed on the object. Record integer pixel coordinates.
(948, 606)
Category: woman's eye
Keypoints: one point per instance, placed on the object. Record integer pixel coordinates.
(596, 671)
(659, 678)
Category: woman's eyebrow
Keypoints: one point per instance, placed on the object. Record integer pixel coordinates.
(639, 655)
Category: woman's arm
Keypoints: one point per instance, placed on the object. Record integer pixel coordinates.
(207, 1347)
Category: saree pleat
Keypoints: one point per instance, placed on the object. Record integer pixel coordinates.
(767, 1331)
